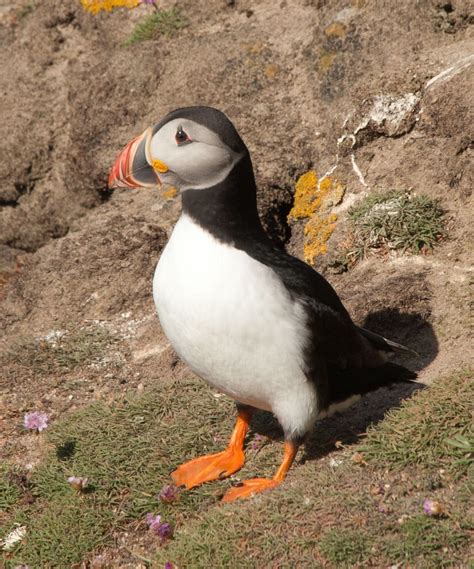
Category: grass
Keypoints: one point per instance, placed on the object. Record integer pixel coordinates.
(434, 429)
(67, 350)
(322, 515)
(162, 22)
(346, 548)
(9, 491)
(127, 452)
(425, 538)
(62, 531)
(25, 10)
(392, 220)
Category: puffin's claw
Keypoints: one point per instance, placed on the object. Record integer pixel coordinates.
(207, 468)
(248, 488)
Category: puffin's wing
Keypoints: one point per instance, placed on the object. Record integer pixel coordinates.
(335, 338)
(301, 280)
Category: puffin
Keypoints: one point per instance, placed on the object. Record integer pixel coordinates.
(254, 322)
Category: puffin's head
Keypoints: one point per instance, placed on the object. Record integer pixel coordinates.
(191, 148)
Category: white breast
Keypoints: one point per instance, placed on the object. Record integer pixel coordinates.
(233, 322)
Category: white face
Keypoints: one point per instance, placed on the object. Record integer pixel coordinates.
(195, 157)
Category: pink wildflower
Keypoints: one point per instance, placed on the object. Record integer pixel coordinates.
(165, 531)
(169, 494)
(152, 521)
(168, 565)
(35, 420)
(433, 508)
(162, 529)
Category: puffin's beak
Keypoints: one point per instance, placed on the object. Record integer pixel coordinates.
(132, 168)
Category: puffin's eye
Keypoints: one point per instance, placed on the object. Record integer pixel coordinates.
(181, 136)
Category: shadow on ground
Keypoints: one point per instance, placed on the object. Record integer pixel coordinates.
(349, 427)
(411, 329)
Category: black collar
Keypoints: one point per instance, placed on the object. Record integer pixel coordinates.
(228, 210)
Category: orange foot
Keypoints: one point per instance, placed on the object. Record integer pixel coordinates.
(207, 468)
(248, 488)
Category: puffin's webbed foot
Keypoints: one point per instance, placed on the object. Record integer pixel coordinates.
(207, 468)
(255, 485)
(220, 465)
(248, 488)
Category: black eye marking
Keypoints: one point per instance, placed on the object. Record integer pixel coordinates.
(181, 136)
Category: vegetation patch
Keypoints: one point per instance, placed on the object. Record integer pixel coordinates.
(424, 538)
(9, 491)
(63, 349)
(25, 10)
(346, 548)
(324, 513)
(327, 515)
(161, 22)
(392, 221)
(127, 452)
(60, 532)
(433, 429)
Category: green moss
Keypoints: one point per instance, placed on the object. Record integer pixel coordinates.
(162, 22)
(288, 527)
(276, 529)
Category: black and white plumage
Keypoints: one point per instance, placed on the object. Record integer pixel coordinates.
(251, 320)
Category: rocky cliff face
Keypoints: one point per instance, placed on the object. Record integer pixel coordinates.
(373, 96)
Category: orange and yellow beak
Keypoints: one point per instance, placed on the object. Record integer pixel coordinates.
(134, 167)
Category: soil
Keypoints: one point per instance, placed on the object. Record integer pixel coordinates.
(380, 97)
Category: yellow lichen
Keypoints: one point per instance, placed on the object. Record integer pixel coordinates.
(305, 196)
(313, 201)
(255, 48)
(95, 6)
(336, 30)
(317, 232)
(271, 71)
(325, 184)
(326, 60)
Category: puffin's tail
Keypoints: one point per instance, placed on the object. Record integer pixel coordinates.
(345, 383)
(384, 345)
